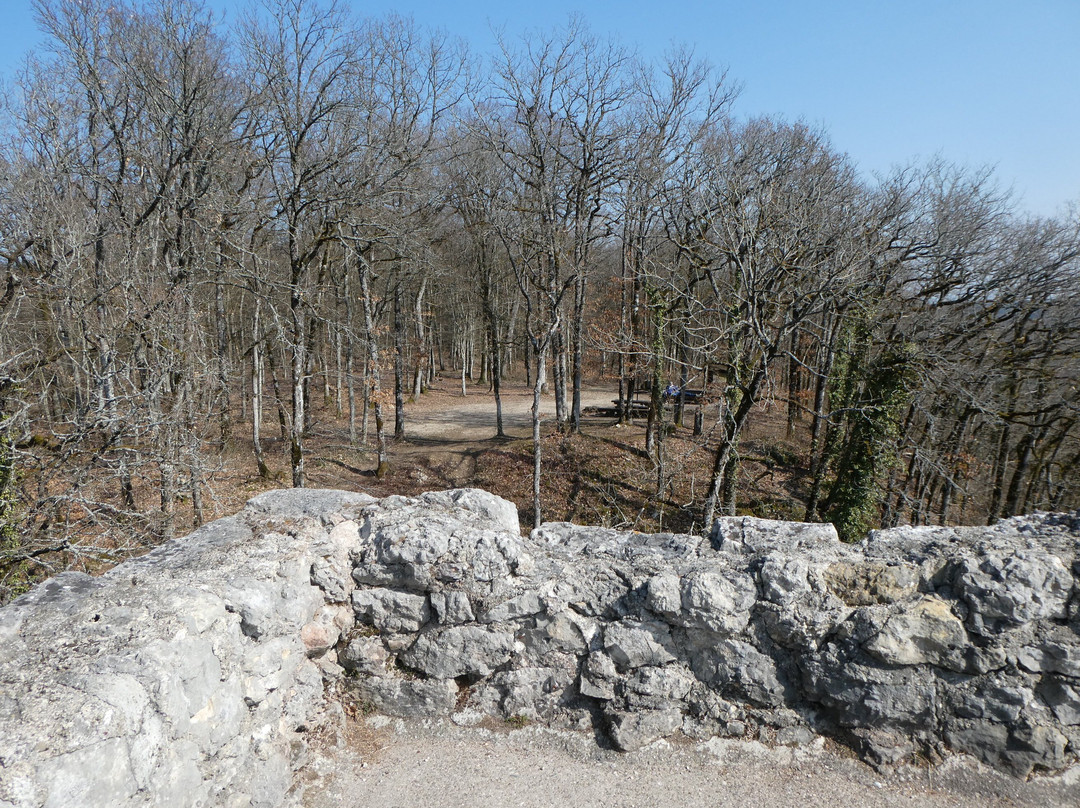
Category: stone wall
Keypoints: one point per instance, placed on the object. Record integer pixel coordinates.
(196, 674)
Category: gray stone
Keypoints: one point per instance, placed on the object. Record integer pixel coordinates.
(447, 653)
(493, 512)
(1010, 590)
(200, 666)
(325, 505)
(795, 736)
(332, 569)
(925, 633)
(524, 605)
(856, 695)
(535, 693)
(390, 611)
(407, 697)
(598, 676)
(631, 731)
(664, 595)
(750, 535)
(658, 688)
(632, 645)
(451, 608)
(564, 631)
(1017, 750)
(999, 703)
(718, 602)
(366, 655)
(737, 669)
(783, 579)
(881, 746)
(1063, 699)
(150, 682)
(805, 622)
(1051, 656)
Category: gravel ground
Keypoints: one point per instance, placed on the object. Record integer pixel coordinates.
(400, 764)
(472, 418)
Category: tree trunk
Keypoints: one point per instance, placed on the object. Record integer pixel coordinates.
(817, 452)
(558, 368)
(732, 429)
(283, 418)
(399, 365)
(257, 391)
(350, 360)
(1023, 462)
(418, 314)
(225, 413)
(793, 386)
(1000, 462)
(374, 381)
(537, 389)
(577, 343)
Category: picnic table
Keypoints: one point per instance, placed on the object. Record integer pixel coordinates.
(639, 402)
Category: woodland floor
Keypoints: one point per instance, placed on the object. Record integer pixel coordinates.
(601, 476)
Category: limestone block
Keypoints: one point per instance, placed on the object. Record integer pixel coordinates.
(926, 633)
(446, 653)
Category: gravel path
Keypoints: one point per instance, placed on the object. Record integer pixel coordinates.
(400, 764)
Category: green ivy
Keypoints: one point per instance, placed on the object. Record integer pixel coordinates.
(7, 492)
(869, 447)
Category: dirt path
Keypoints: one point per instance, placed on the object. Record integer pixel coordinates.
(399, 764)
(441, 416)
(446, 430)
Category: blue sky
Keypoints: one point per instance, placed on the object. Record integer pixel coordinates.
(980, 82)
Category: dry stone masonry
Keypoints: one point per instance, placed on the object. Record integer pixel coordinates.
(196, 675)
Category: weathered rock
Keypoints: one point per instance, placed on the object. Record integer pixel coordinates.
(195, 674)
(365, 655)
(524, 605)
(1017, 749)
(564, 631)
(599, 677)
(452, 608)
(717, 602)
(632, 645)
(783, 579)
(882, 747)
(1057, 652)
(407, 697)
(1000, 702)
(925, 633)
(658, 688)
(1063, 698)
(535, 693)
(324, 630)
(631, 731)
(737, 669)
(391, 612)
(750, 535)
(180, 678)
(857, 695)
(459, 651)
(1006, 591)
(871, 582)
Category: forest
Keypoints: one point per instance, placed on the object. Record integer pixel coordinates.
(213, 236)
